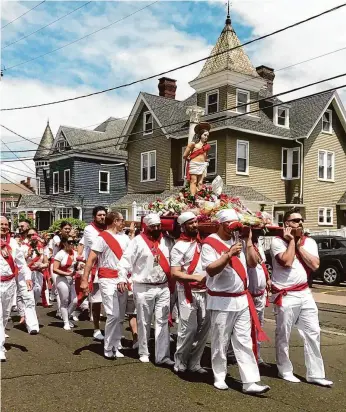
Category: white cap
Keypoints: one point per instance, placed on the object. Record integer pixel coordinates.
(185, 217)
(152, 219)
(227, 215)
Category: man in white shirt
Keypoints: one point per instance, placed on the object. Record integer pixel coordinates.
(194, 320)
(233, 315)
(91, 233)
(294, 258)
(12, 263)
(108, 249)
(147, 260)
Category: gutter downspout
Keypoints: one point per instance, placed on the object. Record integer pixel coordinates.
(301, 169)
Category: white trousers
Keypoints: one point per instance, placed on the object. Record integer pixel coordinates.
(54, 291)
(7, 291)
(37, 279)
(237, 327)
(26, 303)
(110, 301)
(299, 309)
(260, 304)
(67, 294)
(193, 328)
(153, 299)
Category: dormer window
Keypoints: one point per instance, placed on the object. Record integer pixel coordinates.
(243, 99)
(147, 123)
(281, 116)
(327, 121)
(61, 144)
(212, 101)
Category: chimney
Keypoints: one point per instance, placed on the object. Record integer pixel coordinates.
(268, 75)
(28, 181)
(167, 87)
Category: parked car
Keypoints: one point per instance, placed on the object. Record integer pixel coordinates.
(332, 251)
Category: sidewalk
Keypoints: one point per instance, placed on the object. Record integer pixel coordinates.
(329, 298)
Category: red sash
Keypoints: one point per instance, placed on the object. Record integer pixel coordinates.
(256, 331)
(66, 267)
(9, 259)
(32, 263)
(154, 247)
(205, 148)
(191, 269)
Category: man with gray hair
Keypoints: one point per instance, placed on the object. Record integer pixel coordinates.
(147, 260)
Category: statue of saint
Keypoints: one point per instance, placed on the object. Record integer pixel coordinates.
(195, 156)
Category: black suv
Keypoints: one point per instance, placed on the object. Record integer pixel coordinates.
(332, 251)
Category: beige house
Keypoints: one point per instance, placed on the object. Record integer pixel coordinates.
(272, 154)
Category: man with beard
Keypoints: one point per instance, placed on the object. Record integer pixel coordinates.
(12, 264)
(294, 258)
(23, 227)
(232, 311)
(194, 321)
(91, 233)
(147, 260)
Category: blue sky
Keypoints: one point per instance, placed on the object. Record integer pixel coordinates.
(164, 35)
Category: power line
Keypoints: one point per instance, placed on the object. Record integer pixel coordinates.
(17, 156)
(49, 24)
(19, 174)
(182, 121)
(25, 188)
(72, 153)
(20, 170)
(28, 11)
(81, 38)
(182, 66)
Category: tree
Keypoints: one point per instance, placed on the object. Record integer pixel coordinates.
(75, 223)
(22, 216)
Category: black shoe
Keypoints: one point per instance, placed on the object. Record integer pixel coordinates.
(34, 332)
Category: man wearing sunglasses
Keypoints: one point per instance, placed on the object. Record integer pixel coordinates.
(295, 256)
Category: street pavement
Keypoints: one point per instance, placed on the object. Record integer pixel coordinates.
(65, 371)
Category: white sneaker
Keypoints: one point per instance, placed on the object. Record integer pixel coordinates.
(2, 357)
(120, 346)
(135, 345)
(221, 385)
(109, 354)
(289, 377)
(98, 335)
(144, 359)
(199, 370)
(321, 382)
(75, 317)
(72, 325)
(67, 327)
(119, 354)
(254, 388)
(6, 336)
(167, 362)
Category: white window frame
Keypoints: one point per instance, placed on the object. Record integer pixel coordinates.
(213, 142)
(54, 179)
(210, 93)
(325, 223)
(290, 151)
(247, 107)
(64, 212)
(287, 117)
(142, 155)
(69, 180)
(246, 142)
(325, 172)
(125, 213)
(330, 131)
(38, 185)
(277, 214)
(144, 122)
(108, 180)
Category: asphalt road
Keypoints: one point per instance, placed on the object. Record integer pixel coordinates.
(65, 371)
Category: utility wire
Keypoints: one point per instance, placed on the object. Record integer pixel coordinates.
(182, 66)
(18, 157)
(81, 38)
(182, 121)
(95, 151)
(19, 174)
(28, 11)
(21, 187)
(19, 170)
(47, 25)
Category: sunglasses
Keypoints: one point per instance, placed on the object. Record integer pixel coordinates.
(71, 242)
(298, 220)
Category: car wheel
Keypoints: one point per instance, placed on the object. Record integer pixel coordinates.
(270, 269)
(331, 276)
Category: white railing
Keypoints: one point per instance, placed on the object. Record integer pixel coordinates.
(332, 232)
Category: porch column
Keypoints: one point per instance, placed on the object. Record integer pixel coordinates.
(195, 113)
(134, 210)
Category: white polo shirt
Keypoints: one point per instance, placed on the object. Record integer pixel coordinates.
(106, 257)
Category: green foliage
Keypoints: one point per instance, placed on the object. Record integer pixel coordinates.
(76, 224)
(22, 216)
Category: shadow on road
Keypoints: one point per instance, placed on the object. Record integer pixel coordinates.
(9, 346)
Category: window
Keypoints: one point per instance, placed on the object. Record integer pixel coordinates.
(67, 178)
(290, 167)
(61, 144)
(64, 212)
(147, 123)
(325, 216)
(124, 212)
(325, 165)
(212, 159)
(323, 244)
(279, 218)
(242, 157)
(212, 101)
(327, 121)
(38, 186)
(103, 182)
(55, 183)
(148, 166)
(243, 97)
(40, 164)
(281, 116)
